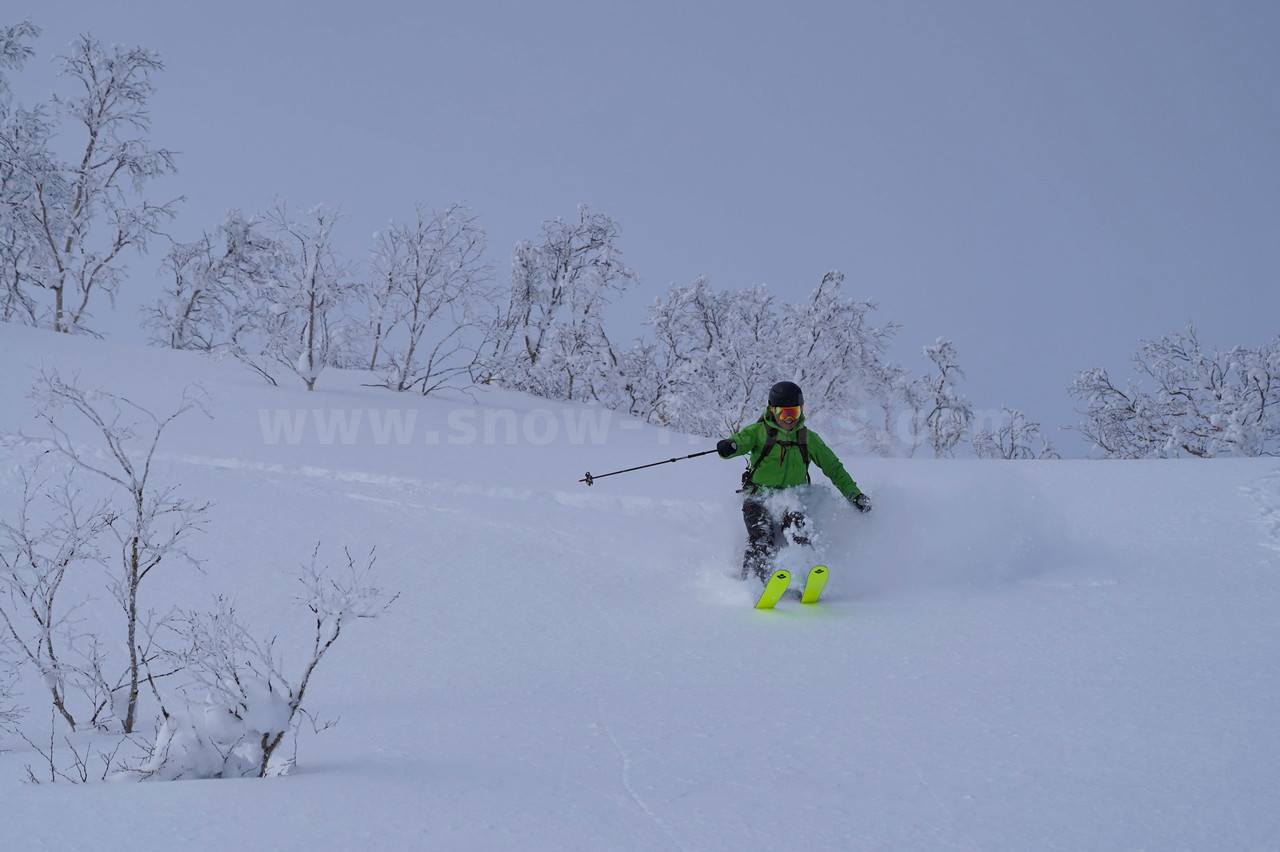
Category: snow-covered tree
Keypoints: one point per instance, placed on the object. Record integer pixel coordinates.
(68, 224)
(551, 339)
(55, 534)
(429, 299)
(313, 289)
(1015, 438)
(14, 52)
(947, 412)
(1124, 423)
(221, 283)
(270, 291)
(836, 351)
(24, 139)
(910, 427)
(150, 521)
(1186, 401)
(237, 704)
(836, 354)
(712, 358)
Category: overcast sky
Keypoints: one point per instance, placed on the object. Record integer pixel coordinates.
(1043, 183)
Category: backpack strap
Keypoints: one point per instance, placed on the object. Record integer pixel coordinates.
(801, 441)
(770, 441)
(748, 476)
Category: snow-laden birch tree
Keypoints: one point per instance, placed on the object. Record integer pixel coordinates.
(270, 291)
(24, 138)
(908, 425)
(314, 287)
(14, 52)
(429, 299)
(1185, 401)
(151, 521)
(72, 220)
(1015, 438)
(221, 285)
(713, 357)
(551, 340)
(55, 535)
(833, 351)
(947, 413)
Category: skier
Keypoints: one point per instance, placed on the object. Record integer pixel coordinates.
(781, 447)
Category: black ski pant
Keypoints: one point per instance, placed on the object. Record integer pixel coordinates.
(763, 531)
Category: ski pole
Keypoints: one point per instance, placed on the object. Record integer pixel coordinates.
(590, 479)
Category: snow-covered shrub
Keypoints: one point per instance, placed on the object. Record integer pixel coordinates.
(236, 705)
(1015, 438)
(224, 735)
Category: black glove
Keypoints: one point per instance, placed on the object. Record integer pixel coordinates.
(727, 448)
(861, 502)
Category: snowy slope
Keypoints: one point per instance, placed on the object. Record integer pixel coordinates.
(1010, 656)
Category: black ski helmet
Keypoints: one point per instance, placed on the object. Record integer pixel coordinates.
(784, 394)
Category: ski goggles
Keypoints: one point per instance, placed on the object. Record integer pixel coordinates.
(787, 412)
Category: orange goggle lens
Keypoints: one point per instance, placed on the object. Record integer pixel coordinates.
(789, 412)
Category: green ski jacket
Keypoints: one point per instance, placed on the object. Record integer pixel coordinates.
(784, 466)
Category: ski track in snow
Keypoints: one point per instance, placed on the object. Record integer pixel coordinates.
(625, 758)
(574, 499)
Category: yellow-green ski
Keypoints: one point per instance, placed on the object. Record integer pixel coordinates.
(774, 588)
(814, 584)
